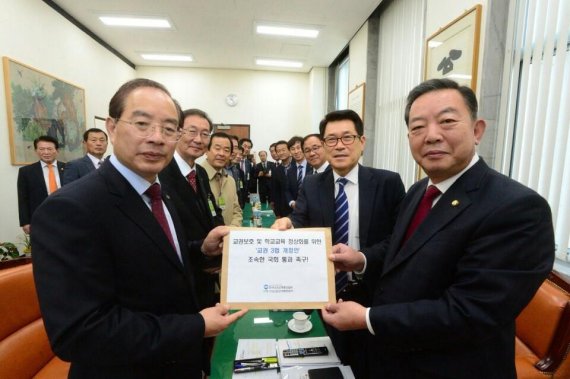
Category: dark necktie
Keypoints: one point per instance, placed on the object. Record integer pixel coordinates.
(158, 211)
(299, 176)
(341, 228)
(192, 180)
(422, 211)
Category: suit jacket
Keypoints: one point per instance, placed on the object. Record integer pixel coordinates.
(249, 177)
(129, 308)
(281, 207)
(379, 192)
(292, 191)
(264, 182)
(32, 190)
(445, 302)
(77, 168)
(196, 217)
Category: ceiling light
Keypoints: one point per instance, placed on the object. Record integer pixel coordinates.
(287, 31)
(168, 57)
(278, 63)
(136, 22)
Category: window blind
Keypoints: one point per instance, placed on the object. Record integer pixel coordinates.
(538, 108)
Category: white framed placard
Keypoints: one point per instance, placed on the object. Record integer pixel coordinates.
(271, 269)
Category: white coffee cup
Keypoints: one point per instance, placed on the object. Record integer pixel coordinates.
(301, 320)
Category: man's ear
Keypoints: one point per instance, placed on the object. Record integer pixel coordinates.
(111, 126)
(479, 130)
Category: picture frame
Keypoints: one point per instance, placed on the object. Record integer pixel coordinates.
(356, 99)
(453, 51)
(38, 104)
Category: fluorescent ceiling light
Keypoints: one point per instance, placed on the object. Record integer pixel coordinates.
(168, 57)
(136, 22)
(278, 63)
(287, 31)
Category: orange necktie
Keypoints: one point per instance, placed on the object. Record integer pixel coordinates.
(51, 179)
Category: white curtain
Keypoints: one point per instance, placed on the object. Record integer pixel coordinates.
(538, 109)
(399, 70)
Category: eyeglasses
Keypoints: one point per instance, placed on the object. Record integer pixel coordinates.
(347, 139)
(192, 133)
(313, 149)
(145, 128)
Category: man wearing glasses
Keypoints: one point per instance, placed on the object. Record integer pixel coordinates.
(111, 263)
(359, 203)
(191, 194)
(315, 153)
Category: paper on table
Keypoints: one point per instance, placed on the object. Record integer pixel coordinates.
(256, 348)
(295, 343)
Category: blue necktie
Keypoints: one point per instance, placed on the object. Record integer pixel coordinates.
(299, 176)
(341, 228)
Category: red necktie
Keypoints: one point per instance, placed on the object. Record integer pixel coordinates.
(192, 180)
(158, 211)
(423, 209)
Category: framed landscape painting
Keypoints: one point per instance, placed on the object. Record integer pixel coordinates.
(41, 104)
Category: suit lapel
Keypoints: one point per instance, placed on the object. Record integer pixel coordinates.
(38, 177)
(133, 207)
(326, 201)
(367, 188)
(451, 204)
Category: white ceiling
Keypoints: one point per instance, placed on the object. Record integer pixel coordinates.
(221, 33)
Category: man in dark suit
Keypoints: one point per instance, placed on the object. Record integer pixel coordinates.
(279, 181)
(247, 165)
(263, 171)
(95, 143)
(193, 198)
(373, 197)
(38, 180)
(120, 258)
(447, 289)
(315, 153)
(297, 171)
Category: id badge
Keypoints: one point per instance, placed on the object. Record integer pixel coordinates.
(212, 208)
(221, 203)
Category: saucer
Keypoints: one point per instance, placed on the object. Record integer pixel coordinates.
(292, 327)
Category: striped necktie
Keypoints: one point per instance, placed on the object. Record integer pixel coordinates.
(299, 175)
(341, 228)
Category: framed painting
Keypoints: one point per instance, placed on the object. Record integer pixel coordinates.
(453, 51)
(356, 99)
(41, 104)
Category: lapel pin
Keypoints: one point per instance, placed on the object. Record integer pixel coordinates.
(455, 203)
(166, 195)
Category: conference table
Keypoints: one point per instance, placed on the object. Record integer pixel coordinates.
(225, 347)
(273, 322)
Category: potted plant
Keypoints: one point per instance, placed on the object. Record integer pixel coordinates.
(8, 251)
